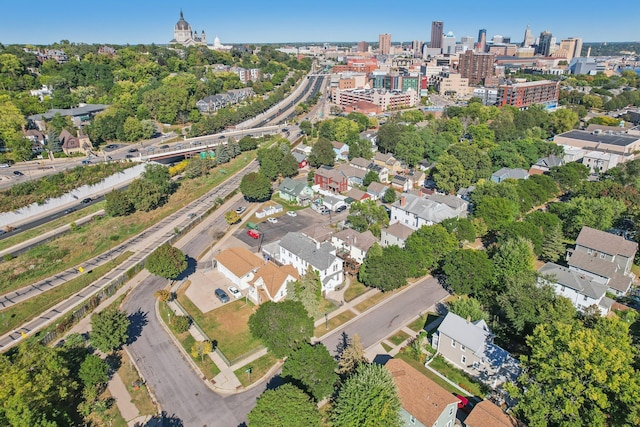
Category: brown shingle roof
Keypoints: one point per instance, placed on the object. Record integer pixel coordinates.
(419, 395)
(399, 230)
(274, 276)
(239, 261)
(602, 241)
(487, 414)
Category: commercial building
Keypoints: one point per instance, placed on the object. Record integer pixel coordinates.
(384, 43)
(451, 84)
(383, 100)
(572, 46)
(523, 95)
(476, 66)
(437, 30)
(544, 44)
(482, 40)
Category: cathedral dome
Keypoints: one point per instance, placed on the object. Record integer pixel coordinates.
(182, 25)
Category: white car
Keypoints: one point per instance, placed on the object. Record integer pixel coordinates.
(234, 292)
(292, 213)
(240, 210)
(272, 220)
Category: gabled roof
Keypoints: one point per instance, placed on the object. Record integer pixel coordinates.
(487, 414)
(239, 261)
(357, 194)
(360, 162)
(331, 173)
(549, 161)
(351, 171)
(300, 157)
(360, 240)
(399, 230)
(376, 188)
(321, 256)
(581, 283)
(429, 210)
(608, 243)
(473, 335)
(274, 276)
(339, 146)
(506, 173)
(420, 396)
(452, 201)
(600, 267)
(385, 158)
(292, 187)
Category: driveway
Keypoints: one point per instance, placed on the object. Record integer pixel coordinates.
(386, 318)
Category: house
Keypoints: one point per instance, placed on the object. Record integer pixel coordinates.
(294, 191)
(353, 244)
(301, 158)
(417, 177)
(546, 163)
(79, 115)
(388, 161)
(213, 103)
(401, 183)
(38, 140)
(331, 179)
(469, 346)
(270, 282)
(360, 163)
(341, 149)
(333, 202)
(270, 208)
(376, 190)
(465, 193)
(381, 171)
(238, 265)
(583, 291)
(599, 162)
(302, 148)
(302, 252)
(396, 234)
(354, 175)
(425, 165)
(507, 173)
(71, 144)
(424, 402)
(357, 194)
(415, 212)
(605, 257)
(488, 414)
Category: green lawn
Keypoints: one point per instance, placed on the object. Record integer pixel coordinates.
(354, 290)
(458, 377)
(386, 346)
(398, 338)
(374, 300)
(259, 368)
(15, 316)
(227, 325)
(334, 322)
(139, 397)
(427, 373)
(206, 365)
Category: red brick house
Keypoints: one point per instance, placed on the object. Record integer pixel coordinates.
(331, 180)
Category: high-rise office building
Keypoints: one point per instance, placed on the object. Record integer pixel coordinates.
(437, 30)
(482, 40)
(573, 47)
(544, 43)
(384, 41)
(363, 46)
(449, 43)
(417, 48)
(528, 37)
(476, 66)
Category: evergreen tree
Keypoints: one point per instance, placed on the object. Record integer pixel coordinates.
(233, 147)
(553, 246)
(351, 356)
(222, 155)
(53, 142)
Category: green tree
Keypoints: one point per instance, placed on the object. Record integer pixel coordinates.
(305, 127)
(233, 147)
(368, 398)
(163, 295)
(351, 357)
(553, 246)
(578, 376)
(389, 195)
(600, 213)
(53, 142)
(468, 271)
(385, 268)
(314, 368)
(570, 175)
(222, 155)
(248, 143)
(118, 203)
(461, 227)
(288, 406)
(450, 175)
(564, 119)
(201, 349)
(513, 262)
(427, 246)
(282, 327)
(109, 330)
(36, 387)
(132, 129)
(166, 261)
(496, 212)
(231, 217)
(322, 153)
(307, 290)
(370, 177)
(93, 371)
(256, 187)
(468, 308)
(368, 215)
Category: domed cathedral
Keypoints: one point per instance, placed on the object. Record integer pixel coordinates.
(183, 34)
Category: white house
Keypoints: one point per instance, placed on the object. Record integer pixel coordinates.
(415, 212)
(583, 291)
(238, 265)
(270, 282)
(353, 244)
(341, 150)
(396, 234)
(302, 252)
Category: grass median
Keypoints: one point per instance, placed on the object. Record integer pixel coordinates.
(16, 315)
(259, 369)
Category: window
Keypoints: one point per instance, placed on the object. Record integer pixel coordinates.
(476, 365)
(462, 348)
(453, 343)
(451, 411)
(589, 251)
(601, 256)
(562, 288)
(412, 419)
(585, 297)
(463, 360)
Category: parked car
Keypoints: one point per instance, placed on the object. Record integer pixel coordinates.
(70, 210)
(87, 200)
(325, 211)
(164, 146)
(18, 173)
(222, 295)
(341, 208)
(241, 210)
(4, 165)
(292, 213)
(129, 156)
(272, 220)
(234, 292)
(86, 162)
(253, 234)
(132, 150)
(221, 137)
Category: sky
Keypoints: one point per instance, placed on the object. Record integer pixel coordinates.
(281, 21)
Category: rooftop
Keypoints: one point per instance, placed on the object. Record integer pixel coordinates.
(319, 255)
(608, 243)
(585, 285)
(239, 261)
(618, 139)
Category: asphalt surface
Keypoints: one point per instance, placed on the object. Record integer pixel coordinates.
(386, 318)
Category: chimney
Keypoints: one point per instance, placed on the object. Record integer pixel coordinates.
(403, 201)
(318, 245)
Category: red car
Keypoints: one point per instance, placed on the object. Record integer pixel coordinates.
(253, 234)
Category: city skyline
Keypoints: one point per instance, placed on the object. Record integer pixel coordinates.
(120, 22)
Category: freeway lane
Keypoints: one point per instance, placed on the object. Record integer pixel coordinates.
(388, 317)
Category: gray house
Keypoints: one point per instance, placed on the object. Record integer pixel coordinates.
(469, 346)
(295, 191)
(507, 173)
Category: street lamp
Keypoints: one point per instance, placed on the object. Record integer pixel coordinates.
(326, 321)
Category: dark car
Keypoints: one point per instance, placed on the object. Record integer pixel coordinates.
(18, 173)
(132, 150)
(129, 156)
(70, 210)
(341, 208)
(221, 137)
(221, 295)
(87, 200)
(164, 146)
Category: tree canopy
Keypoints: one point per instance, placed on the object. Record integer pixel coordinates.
(166, 261)
(109, 330)
(256, 187)
(313, 367)
(287, 405)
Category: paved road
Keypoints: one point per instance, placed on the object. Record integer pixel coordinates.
(385, 319)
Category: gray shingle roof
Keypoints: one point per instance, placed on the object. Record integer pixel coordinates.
(473, 335)
(318, 255)
(581, 283)
(429, 210)
(608, 243)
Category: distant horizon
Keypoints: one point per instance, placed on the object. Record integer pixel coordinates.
(121, 22)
